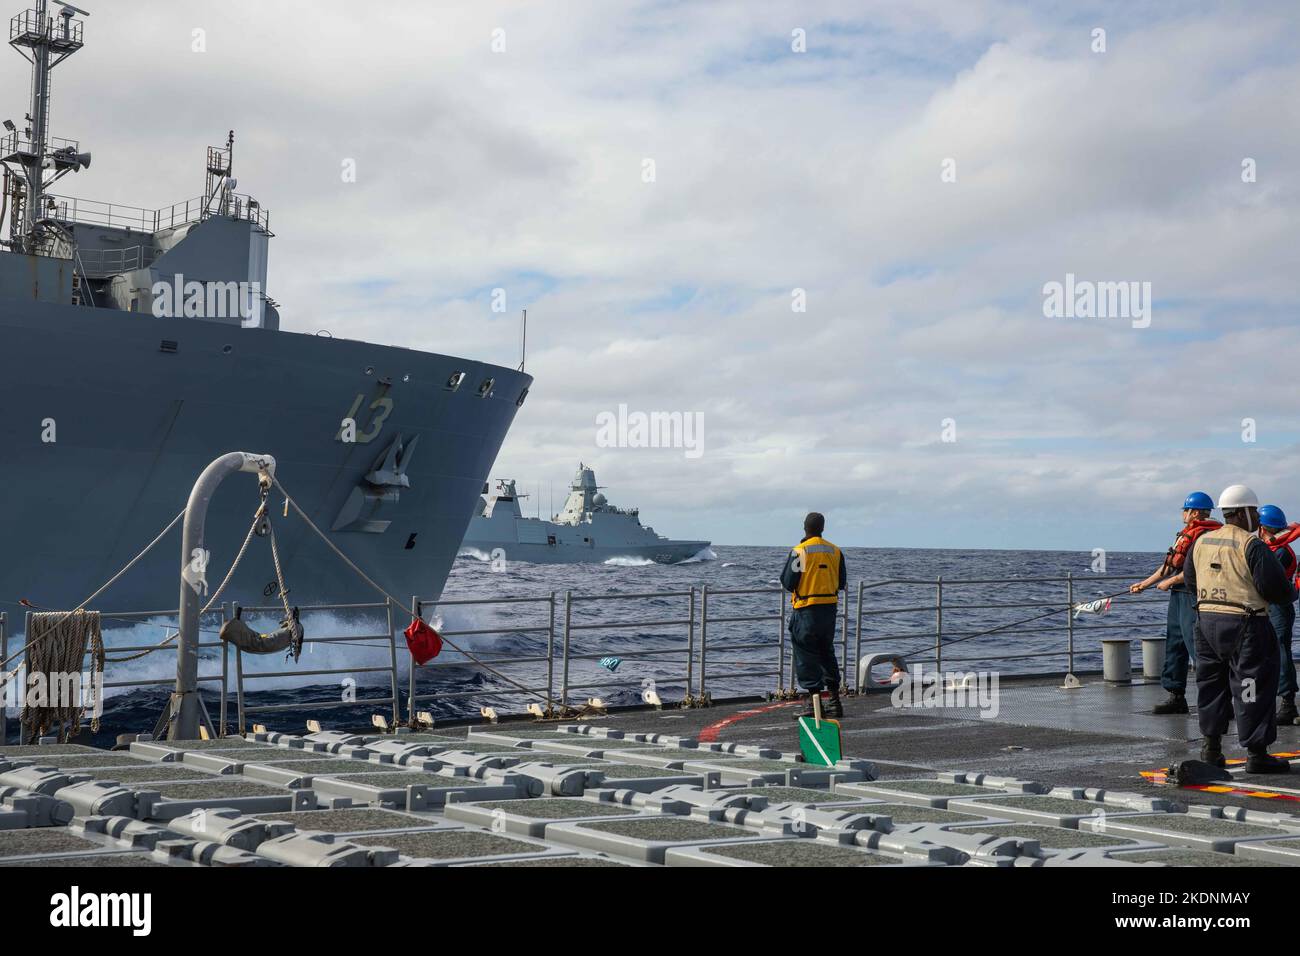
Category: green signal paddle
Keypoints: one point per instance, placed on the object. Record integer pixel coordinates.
(819, 739)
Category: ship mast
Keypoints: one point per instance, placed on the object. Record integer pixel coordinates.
(28, 152)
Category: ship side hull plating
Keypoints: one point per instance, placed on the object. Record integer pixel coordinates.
(135, 422)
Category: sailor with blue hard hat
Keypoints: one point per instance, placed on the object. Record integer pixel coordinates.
(1234, 578)
(1180, 620)
(1274, 532)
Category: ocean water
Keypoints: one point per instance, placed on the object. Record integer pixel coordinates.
(650, 635)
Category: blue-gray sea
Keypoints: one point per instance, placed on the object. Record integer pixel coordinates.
(740, 656)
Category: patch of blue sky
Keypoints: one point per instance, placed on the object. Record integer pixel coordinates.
(671, 300)
(1227, 440)
(375, 286)
(520, 288)
(901, 271)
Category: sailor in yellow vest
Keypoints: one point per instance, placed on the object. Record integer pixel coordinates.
(814, 574)
(1234, 577)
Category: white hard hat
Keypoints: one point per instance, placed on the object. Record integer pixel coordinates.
(1237, 496)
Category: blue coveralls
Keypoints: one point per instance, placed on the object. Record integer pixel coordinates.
(1180, 639)
(1282, 617)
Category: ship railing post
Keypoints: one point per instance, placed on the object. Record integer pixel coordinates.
(1069, 621)
(690, 651)
(564, 673)
(938, 623)
(550, 659)
(25, 735)
(857, 642)
(225, 674)
(704, 641)
(780, 644)
(392, 660)
(239, 677)
(5, 692)
(791, 688)
(844, 634)
(418, 610)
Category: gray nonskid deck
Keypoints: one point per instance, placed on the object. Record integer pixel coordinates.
(631, 789)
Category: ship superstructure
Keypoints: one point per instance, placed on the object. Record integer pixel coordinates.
(587, 529)
(138, 344)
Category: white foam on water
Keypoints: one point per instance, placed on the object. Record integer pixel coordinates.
(704, 554)
(475, 553)
(619, 561)
(344, 655)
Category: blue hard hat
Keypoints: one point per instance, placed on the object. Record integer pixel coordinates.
(1198, 501)
(1271, 516)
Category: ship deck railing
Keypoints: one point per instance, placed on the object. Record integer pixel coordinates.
(93, 212)
(29, 27)
(707, 646)
(704, 643)
(18, 145)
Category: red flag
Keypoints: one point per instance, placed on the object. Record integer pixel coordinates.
(423, 641)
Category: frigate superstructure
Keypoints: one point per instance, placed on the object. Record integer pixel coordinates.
(588, 529)
(138, 344)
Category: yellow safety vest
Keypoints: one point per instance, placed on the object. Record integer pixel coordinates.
(1223, 581)
(819, 582)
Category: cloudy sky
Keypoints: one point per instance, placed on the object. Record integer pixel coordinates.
(828, 170)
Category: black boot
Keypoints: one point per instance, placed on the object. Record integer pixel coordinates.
(1286, 712)
(1259, 760)
(833, 708)
(1212, 752)
(807, 709)
(1176, 703)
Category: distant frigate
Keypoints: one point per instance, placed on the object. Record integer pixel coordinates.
(139, 344)
(588, 529)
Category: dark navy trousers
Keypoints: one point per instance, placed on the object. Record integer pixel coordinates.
(1282, 617)
(1237, 674)
(812, 640)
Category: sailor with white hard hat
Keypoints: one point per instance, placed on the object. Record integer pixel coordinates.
(1234, 578)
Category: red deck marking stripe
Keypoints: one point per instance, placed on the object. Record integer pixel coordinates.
(710, 733)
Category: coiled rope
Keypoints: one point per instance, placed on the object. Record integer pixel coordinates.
(60, 650)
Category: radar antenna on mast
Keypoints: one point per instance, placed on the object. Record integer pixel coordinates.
(29, 152)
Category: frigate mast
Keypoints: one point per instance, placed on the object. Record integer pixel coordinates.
(29, 152)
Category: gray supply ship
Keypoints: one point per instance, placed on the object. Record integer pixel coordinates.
(588, 530)
(139, 344)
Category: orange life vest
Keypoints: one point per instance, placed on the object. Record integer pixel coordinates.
(1177, 555)
(1279, 543)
